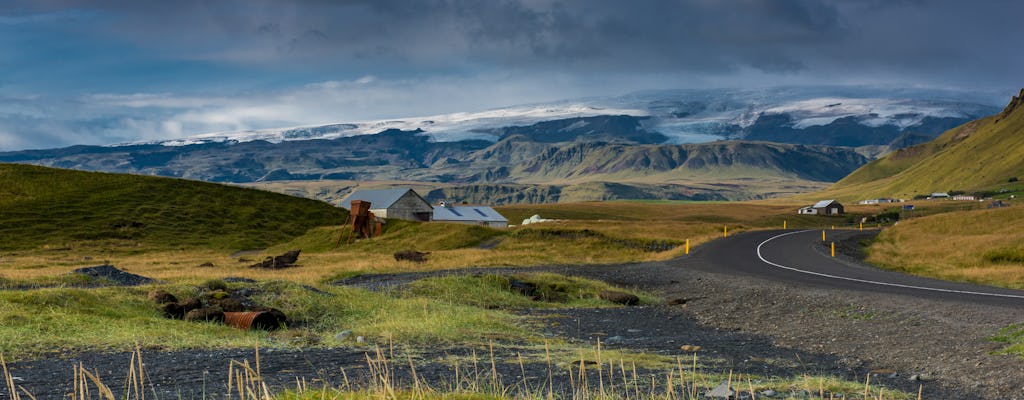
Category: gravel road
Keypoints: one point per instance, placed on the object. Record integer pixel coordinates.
(743, 323)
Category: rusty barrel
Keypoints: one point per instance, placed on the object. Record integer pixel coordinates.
(249, 320)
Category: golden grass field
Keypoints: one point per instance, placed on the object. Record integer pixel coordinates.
(981, 246)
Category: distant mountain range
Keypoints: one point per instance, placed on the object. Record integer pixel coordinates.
(724, 144)
(983, 156)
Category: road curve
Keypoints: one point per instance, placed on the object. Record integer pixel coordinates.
(800, 257)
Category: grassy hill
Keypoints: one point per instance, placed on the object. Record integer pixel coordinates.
(982, 155)
(46, 207)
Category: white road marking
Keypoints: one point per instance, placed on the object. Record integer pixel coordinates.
(759, 255)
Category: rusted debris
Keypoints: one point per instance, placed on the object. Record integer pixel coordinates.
(220, 304)
(411, 255)
(254, 320)
(285, 260)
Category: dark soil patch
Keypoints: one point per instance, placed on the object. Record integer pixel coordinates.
(112, 274)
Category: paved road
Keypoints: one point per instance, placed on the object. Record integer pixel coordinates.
(800, 257)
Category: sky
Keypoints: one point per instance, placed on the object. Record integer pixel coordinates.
(114, 71)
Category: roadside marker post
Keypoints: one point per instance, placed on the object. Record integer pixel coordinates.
(725, 231)
(687, 246)
(833, 227)
(861, 226)
(822, 235)
(833, 249)
(783, 224)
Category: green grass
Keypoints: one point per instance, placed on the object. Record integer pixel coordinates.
(982, 155)
(495, 291)
(53, 208)
(452, 310)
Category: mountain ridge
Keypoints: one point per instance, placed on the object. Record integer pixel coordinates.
(980, 156)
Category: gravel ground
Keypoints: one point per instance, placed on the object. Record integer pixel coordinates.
(743, 324)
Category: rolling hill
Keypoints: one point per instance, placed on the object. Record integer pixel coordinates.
(983, 155)
(47, 207)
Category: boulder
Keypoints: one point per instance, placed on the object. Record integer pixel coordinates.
(285, 260)
(619, 297)
(214, 314)
(162, 297)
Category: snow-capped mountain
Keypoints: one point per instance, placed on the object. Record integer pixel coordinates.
(684, 116)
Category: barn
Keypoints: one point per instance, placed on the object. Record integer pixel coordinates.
(477, 215)
(824, 207)
(828, 207)
(393, 203)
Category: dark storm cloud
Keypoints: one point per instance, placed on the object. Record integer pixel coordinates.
(938, 39)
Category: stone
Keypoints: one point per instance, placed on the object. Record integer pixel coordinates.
(676, 302)
(614, 340)
(343, 335)
(162, 297)
(286, 260)
(205, 314)
(360, 339)
(206, 265)
(619, 297)
(768, 393)
(922, 378)
(721, 391)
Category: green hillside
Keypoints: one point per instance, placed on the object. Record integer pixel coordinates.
(982, 155)
(51, 207)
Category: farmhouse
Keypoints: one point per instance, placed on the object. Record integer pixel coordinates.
(393, 203)
(824, 207)
(477, 215)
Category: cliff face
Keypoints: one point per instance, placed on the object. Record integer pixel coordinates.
(1015, 102)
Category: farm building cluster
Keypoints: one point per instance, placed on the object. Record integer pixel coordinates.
(406, 204)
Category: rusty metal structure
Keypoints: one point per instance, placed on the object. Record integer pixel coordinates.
(364, 223)
(252, 320)
(362, 219)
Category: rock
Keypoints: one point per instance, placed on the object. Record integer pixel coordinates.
(720, 391)
(768, 393)
(112, 274)
(205, 314)
(173, 311)
(619, 297)
(411, 255)
(614, 340)
(343, 335)
(360, 339)
(922, 378)
(162, 297)
(285, 260)
(676, 302)
(229, 304)
(206, 265)
(189, 304)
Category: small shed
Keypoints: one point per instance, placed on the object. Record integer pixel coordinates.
(828, 207)
(393, 203)
(477, 215)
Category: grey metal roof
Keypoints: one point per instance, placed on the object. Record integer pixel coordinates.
(467, 213)
(823, 203)
(378, 199)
